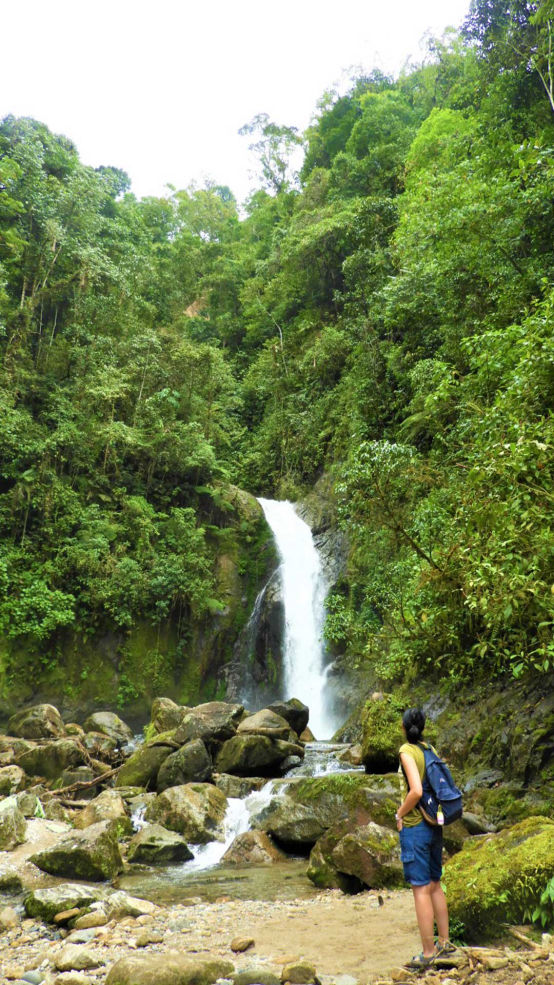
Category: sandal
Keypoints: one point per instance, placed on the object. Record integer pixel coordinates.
(444, 947)
(419, 962)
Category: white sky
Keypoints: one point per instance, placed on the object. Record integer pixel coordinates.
(160, 89)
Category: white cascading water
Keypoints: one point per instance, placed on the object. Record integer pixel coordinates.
(304, 589)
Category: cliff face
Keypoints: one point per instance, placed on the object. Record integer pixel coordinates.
(179, 657)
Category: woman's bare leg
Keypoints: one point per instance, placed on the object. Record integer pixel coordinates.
(425, 915)
(440, 909)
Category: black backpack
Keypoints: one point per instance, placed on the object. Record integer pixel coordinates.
(440, 793)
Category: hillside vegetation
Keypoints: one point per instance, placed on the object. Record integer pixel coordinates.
(384, 317)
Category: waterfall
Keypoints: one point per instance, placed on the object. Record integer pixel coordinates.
(304, 589)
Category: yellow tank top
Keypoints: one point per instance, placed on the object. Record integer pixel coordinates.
(414, 816)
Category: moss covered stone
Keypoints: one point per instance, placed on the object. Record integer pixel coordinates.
(381, 734)
(498, 877)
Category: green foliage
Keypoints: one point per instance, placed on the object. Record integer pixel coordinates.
(543, 912)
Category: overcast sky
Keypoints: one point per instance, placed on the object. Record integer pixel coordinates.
(161, 88)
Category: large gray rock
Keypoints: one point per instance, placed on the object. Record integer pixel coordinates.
(213, 721)
(119, 905)
(370, 854)
(170, 968)
(92, 854)
(12, 779)
(321, 869)
(141, 769)
(109, 724)
(13, 827)
(253, 848)
(247, 755)
(45, 903)
(75, 957)
(294, 711)
(37, 722)
(265, 722)
(195, 810)
(190, 764)
(51, 758)
(108, 806)
(99, 745)
(154, 845)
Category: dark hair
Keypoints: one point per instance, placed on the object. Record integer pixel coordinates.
(413, 721)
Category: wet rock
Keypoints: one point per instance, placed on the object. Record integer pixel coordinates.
(74, 957)
(370, 854)
(171, 968)
(51, 758)
(307, 735)
(252, 848)
(109, 724)
(13, 827)
(293, 825)
(45, 903)
(91, 854)
(299, 973)
(107, 806)
(249, 754)
(12, 779)
(518, 862)
(141, 769)
(293, 711)
(265, 722)
(154, 844)
(195, 810)
(215, 720)
(238, 786)
(37, 722)
(190, 764)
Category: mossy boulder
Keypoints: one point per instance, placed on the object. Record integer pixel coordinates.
(109, 724)
(108, 806)
(313, 805)
(195, 810)
(498, 877)
(50, 759)
(371, 854)
(38, 722)
(166, 714)
(381, 733)
(45, 903)
(91, 854)
(321, 869)
(294, 711)
(141, 769)
(154, 844)
(12, 779)
(248, 755)
(189, 764)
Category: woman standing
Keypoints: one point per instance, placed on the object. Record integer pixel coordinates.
(421, 847)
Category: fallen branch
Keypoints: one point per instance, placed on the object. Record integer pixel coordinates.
(524, 939)
(81, 784)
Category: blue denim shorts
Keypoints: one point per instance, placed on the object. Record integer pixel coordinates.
(421, 853)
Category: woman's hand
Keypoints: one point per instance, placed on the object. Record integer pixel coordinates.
(399, 822)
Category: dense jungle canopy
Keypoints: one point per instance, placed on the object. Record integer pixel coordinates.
(384, 318)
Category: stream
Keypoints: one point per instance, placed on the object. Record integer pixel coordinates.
(205, 877)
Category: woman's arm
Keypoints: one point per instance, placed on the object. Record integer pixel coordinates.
(415, 789)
